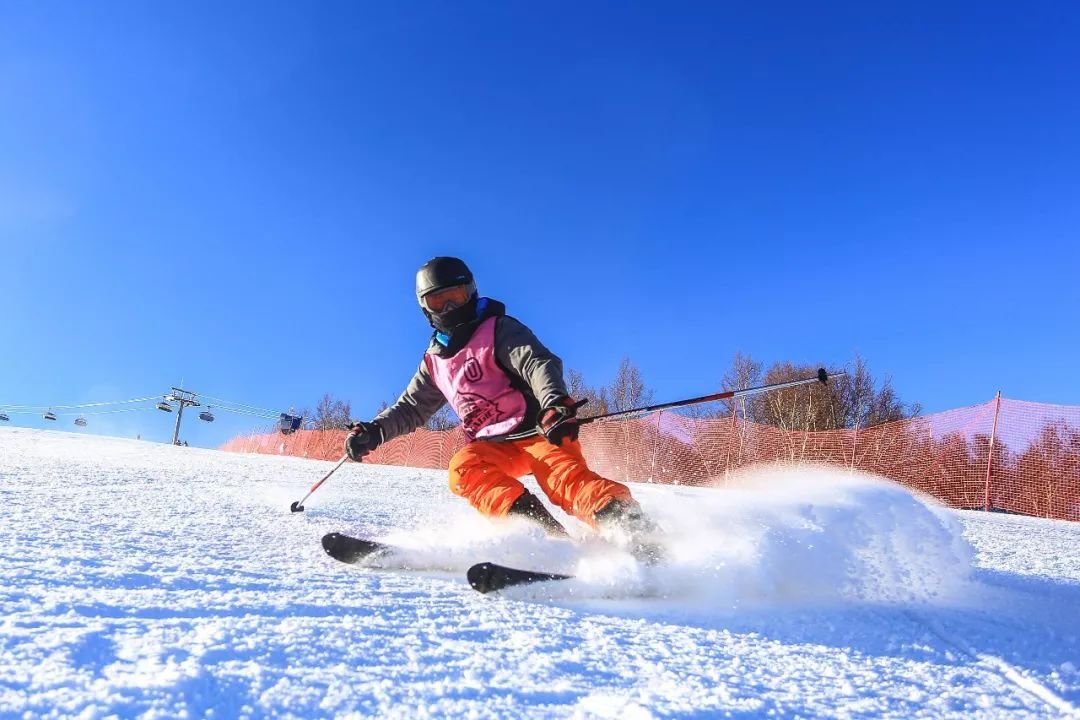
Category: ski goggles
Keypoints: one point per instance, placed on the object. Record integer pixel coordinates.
(447, 299)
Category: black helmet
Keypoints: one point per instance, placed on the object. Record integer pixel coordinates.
(444, 273)
(441, 272)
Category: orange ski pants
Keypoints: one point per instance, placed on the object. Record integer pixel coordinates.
(486, 472)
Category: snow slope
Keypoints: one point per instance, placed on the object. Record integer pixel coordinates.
(144, 580)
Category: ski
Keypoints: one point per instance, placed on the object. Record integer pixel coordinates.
(489, 577)
(350, 549)
(484, 577)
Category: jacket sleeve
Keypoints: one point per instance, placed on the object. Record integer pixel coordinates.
(518, 350)
(421, 399)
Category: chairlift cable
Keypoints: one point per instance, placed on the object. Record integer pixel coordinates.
(217, 402)
(246, 412)
(72, 414)
(38, 408)
(243, 410)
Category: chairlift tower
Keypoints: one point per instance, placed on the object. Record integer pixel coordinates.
(183, 398)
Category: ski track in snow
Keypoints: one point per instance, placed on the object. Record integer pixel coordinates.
(144, 580)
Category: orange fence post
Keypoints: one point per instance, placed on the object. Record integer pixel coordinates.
(655, 446)
(990, 459)
(854, 444)
(734, 435)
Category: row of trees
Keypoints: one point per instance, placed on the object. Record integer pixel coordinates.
(331, 413)
(853, 400)
(626, 392)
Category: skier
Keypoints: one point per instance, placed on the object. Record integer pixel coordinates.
(518, 418)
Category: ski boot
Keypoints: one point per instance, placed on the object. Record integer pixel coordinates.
(624, 522)
(529, 506)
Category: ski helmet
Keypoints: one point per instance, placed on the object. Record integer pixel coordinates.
(441, 273)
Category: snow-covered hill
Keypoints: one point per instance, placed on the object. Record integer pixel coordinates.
(144, 580)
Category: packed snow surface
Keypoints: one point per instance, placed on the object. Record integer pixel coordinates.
(142, 580)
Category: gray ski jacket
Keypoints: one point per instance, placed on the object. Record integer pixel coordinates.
(533, 369)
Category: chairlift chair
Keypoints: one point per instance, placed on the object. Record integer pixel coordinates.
(289, 423)
(4, 418)
(207, 416)
(49, 415)
(164, 406)
(80, 421)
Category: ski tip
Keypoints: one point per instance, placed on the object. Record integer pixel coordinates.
(479, 577)
(349, 549)
(489, 577)
(330, 541)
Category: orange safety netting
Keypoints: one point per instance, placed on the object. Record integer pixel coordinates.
(1033, 468)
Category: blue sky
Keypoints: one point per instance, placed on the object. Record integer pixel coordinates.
(236, 196)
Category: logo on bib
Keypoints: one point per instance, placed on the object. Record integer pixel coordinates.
(473, 371)
(477, 413)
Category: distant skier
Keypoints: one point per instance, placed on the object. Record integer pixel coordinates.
(516, 413)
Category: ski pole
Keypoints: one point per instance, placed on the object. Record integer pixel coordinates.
(822, 377)
(298, 506)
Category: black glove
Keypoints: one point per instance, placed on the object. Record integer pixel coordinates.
(559, 421)
(362, 439)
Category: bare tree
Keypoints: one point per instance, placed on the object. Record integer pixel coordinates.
(575, 384)
(308, 418)
(853, 400)
(628, 390)
(332, 414)
(860, 402)
(806, 407)
(579, 390)
(745, 372)
(1050, 468)
(443, 419)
